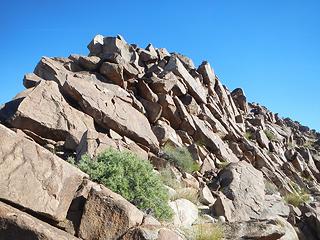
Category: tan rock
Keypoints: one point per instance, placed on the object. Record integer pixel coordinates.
(107, 215)
(34, 178)
(45, 112)
(15, 225)
(111, 107)
(195, 88)
(30, 80)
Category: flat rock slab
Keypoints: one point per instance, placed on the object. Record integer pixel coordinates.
(45, 112)
(111, 107)
(18, 225)
(34, 178)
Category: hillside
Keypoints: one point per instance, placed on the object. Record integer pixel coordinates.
(231, 168)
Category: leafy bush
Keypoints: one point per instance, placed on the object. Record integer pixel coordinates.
(209, 232)
(132, 178)
(181, 158)
(297, 198)
(270, 135)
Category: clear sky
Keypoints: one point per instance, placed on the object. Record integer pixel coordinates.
(270, 48)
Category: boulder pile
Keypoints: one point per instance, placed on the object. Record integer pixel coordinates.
(252, 162)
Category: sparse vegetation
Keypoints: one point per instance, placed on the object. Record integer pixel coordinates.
(187, 193)
(209, 232)
(270, 135)
(181, 158)
(297, 198)
(132, 178)
(248, 135)
(169, 179)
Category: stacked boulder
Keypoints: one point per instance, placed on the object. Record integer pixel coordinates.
(126, 97)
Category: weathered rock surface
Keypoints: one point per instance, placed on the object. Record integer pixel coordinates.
(243, 185)
(111, 107)
(15, 224)
(45, 112)
(52, 181)
(107, 215)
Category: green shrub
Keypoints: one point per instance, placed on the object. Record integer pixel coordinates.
(270, 135)
(181, 158)
(209, 232)
(132, 178)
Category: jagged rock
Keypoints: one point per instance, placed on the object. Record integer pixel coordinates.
(107, 215)
(89, 63)
(244, 185)
(45, 112)
(207, 73)
(146, 93)
(15, 224)
(111, 107)
(165, 133)
(205, 196)
(154, 110)
(187, 62)
(194, 86)
(51, 69)
(212, 141)
(30, 80)
(185, 212)
(24, 163)
(187, 123)
(274, 229)
(262, 139)
(148, 55)
(169, 110)
(113, 72)
(95, 46)
(240, 99)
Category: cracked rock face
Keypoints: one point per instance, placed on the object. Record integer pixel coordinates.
(45, 112)
(34, 178)
(110, 106)
(15, 224)
(243, 185)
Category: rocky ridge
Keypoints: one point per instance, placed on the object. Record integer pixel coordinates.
(126, 97)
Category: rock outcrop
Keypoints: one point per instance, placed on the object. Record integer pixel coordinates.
(258, 175)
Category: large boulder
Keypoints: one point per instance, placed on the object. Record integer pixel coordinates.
(44, 111)
(34, 178)
(211, 140)
(273, 229)
(244, 186)
(185, 212)
(16, 225)
(107, 215)
(194, 85)
(111, 107)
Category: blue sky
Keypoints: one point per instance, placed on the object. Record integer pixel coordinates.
(270, 48)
